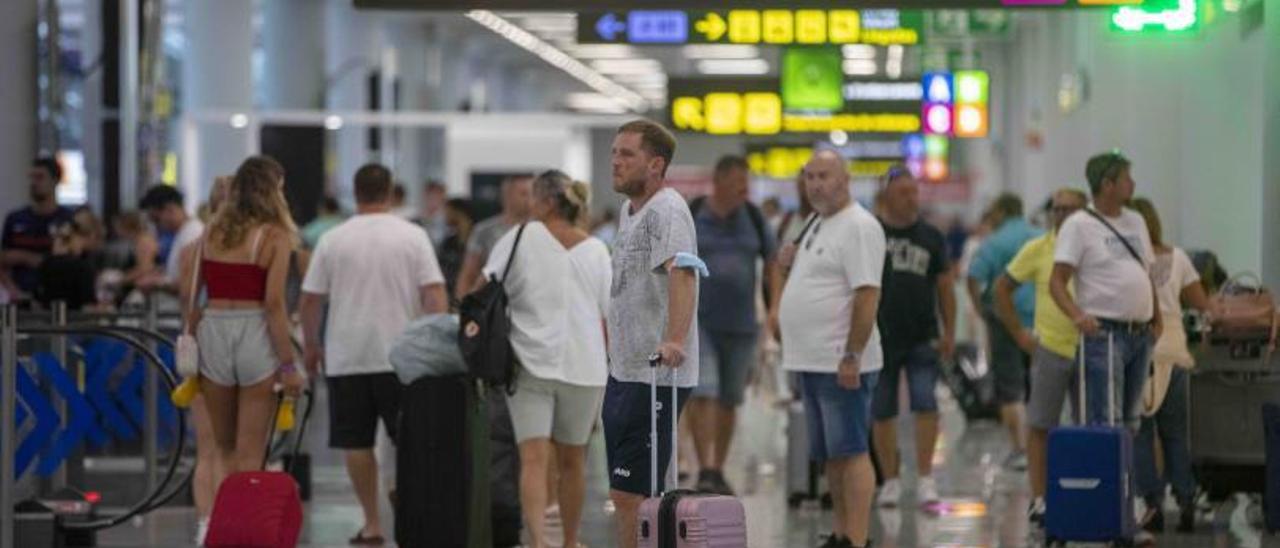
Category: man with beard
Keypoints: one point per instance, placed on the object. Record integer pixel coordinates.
(28, 232)
(654, 311)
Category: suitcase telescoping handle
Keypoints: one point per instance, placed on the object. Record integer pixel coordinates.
(655, 360)
(1111, 391)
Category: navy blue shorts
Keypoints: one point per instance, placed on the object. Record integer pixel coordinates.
(626, 433)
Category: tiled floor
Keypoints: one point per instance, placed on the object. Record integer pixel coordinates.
(983, 506)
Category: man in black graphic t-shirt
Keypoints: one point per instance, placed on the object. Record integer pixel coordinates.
(917, 290)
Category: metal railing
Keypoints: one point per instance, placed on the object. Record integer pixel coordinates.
(57, 324)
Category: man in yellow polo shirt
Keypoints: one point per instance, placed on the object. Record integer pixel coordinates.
(1052, 347)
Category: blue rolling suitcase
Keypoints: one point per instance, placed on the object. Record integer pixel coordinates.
(1089, 496)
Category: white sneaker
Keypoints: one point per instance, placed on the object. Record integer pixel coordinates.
(927, 490)
(890, 492)
(202, 530)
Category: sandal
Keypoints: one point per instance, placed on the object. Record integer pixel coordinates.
(361, 540)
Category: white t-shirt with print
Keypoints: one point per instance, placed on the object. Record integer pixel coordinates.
(1110, 282)
(190, 232)
(558, 299)
(839, 254)
(1172, 272)
(646, 240)
(372, 267)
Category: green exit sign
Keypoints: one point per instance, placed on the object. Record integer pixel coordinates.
(1158, 16)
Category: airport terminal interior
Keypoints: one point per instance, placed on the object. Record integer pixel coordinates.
(258, 283)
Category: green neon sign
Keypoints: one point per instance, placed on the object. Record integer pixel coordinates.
(1181, 16)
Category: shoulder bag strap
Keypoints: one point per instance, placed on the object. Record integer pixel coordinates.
(1113, 230)
(807, 225)
(195, 284)
(512, 257)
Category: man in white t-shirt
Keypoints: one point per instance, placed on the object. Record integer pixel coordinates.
(1107, 250)
(378, 272)
(653, 310)
(829, 336)
(165, 209)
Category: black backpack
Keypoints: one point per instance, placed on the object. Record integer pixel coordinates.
(484, 332)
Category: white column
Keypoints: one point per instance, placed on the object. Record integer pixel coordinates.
(18, 102)
(353, 41)
(1271, 152)
(217, 74)
(293, 39)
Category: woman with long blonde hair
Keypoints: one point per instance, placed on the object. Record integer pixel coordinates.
(243, 331)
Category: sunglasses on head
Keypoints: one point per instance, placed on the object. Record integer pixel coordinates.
(1115, 160)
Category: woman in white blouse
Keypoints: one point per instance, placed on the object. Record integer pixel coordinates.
(1165, 396)
(558, 290)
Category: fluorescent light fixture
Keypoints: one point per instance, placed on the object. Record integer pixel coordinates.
(627, 66)
(858, 51)
(720, 51)
(733, 66)
(239, 120)
(333, 122)
(860, 67)
(559, 59)
(883, 91)
(603, 51)
(549, 23)
(594, 102)
(893, 62)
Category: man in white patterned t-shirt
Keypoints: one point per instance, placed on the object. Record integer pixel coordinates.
(653, 310)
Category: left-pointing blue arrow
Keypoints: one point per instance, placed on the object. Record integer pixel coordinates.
(46, 422)
(80, 415)
(609, 27)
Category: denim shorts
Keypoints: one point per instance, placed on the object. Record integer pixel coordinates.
(725, 363)
(838, 419)
(921, 366)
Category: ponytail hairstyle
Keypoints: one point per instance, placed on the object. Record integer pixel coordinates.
(572, 199)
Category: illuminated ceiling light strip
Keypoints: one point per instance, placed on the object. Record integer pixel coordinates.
(858, 51)
(733, 66)
(1136, 19)
(559, 59)
(720, 51)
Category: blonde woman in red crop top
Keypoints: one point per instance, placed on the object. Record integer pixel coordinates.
(243, 329)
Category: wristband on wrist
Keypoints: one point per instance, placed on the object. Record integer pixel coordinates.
(288, 367)
(855, 356)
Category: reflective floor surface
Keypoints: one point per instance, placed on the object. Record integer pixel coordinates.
(983, 504)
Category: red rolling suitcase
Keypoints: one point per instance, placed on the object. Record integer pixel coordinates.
(258, 509)
(684, 518)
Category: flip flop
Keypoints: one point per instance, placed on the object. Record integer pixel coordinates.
(361, 540)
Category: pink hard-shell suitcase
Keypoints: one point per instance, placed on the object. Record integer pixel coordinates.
(683, 518)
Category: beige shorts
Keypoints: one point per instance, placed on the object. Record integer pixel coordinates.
(542, 408)
(235, 347)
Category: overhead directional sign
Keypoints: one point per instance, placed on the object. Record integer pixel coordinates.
(752, 26)
(543, 5)
(753, 106)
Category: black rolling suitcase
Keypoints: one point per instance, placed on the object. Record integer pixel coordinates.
(442, 465)
(504, 472)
